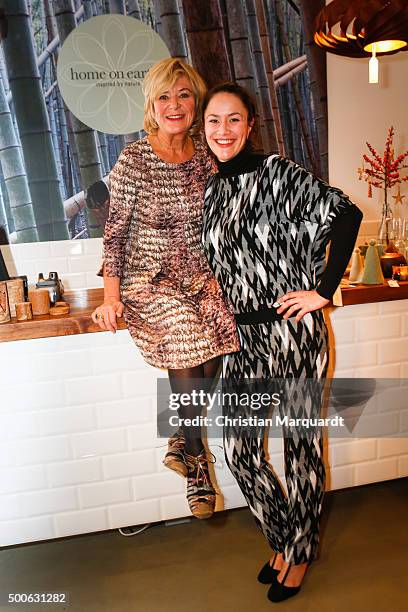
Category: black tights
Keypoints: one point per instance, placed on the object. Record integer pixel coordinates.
(187, 380)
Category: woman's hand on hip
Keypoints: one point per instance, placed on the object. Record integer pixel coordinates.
(300, 302)
(106, 314)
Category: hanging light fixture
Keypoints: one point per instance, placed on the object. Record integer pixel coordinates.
(360, 28)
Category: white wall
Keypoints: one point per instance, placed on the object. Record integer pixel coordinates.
(360, 112)
(76, 261)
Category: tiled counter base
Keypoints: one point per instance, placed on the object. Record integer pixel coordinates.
(78, 445)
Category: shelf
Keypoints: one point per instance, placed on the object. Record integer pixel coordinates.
(83, 302)
(78, 321)
(366, 294)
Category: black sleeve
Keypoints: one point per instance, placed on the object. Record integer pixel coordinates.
(343, 238)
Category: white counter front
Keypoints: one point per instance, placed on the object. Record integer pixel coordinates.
(78, 446)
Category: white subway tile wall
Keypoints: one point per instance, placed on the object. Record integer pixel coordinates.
(74, 260)
(78, 446)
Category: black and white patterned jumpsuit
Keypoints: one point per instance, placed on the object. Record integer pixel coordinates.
(267, 223)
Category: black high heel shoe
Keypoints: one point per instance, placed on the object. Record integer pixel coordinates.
(267, 575)
(279, 592)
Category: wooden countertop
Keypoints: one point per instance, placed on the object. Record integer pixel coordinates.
(84, 301)
(366, 294)
(78, 321)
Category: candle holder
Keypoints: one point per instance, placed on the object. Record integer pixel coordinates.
(15, 290)
(24, 311)
(40, 301)
(390, 259)
(4, 303)
(400, 273)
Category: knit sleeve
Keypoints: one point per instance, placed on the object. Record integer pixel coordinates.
(304, 197)
(121, 206)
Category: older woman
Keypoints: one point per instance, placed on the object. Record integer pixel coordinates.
(154, 268)
(267, 223)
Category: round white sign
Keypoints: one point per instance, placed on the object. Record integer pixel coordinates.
(101, 67)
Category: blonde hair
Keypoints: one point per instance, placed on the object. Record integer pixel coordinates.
(161, 77)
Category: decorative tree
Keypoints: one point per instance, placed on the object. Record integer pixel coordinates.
(384, 173)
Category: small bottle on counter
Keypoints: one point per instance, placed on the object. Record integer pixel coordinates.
(396, 273)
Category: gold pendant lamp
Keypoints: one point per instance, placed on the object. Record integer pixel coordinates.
(360, 28)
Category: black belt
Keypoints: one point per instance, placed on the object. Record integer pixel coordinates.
(258, 316)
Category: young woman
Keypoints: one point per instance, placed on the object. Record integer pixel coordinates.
(267, 223)
(154, 268)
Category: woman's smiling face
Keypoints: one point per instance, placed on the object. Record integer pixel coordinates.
(226, 125)
(175, 108)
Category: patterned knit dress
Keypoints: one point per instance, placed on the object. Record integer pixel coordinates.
(174, 307)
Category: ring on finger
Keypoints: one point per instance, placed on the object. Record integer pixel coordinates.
(99, 315)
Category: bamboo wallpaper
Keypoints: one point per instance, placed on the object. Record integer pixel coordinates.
(49, 158)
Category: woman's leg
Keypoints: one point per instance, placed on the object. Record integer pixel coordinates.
(211, 368)
(245, 457)
(305, 477)
(200, 491)
(291, 523)
(187, 380)
(245, 450)
(304, 364)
